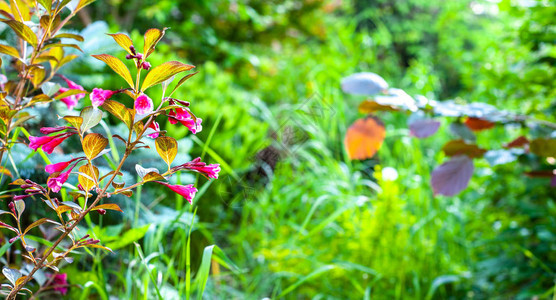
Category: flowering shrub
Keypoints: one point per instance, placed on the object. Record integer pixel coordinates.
(94, 188)
(365, 136)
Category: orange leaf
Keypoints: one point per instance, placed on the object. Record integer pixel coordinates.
(93, 144)
(167, 148)
(111, 206)
(370, 106)
(152, 37)
(458, 147)
(364, 137)
(477, 124)
(85, 182)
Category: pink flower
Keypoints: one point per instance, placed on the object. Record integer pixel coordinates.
(49, 130)
(98, 96)
(186, 119)
(60, 283)
(187, 191)
(71, 101)
(196, 165)
(37, 142)
(59, 167)
(154, 126)
(55, 183)
(143, 105)
(48, 143)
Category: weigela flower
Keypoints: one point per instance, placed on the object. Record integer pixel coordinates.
(98, 96)
(60, 283)
(49, 130)
(56, 180)
(48, 143)
(156, 127)
(71, 101)
(196, 165)
(186, 119)
(143, 105)
(187, 191)
(59, 167)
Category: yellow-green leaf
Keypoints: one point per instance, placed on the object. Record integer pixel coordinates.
(23, 31)
(152, 37)
(9, 50)
(74, 121)
(119, 111)
(47, 4)
(123, 40)
(167, 148)
(85, 182)
(20, 10)
(83, 3)
(164, 71)
(110, 206)
(62, 45)
(69, 93)
(76, 37)
(118, 66)
(152, 176)
(93, 144)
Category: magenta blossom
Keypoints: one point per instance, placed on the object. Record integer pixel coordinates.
(49, 130)
(154, 126)
(187, 191)
(48, 143)
(59, 167)
(143, 105)
(98, 96)
(60, 283)
(56, 180)
(186, 119)
(196, 165)
(71, 101)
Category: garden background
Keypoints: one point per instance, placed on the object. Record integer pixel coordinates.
(294, 216)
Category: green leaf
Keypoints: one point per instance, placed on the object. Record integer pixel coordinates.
(163, 72)
(20, 207)
(123, 40)
(50, 88)
(47, 4)
(167, 148)
(118, 66)
(91, 117)
(35, 224)
(11, 274)
(23, 31)
(152, 37)
(93, 144)
(9, 50)
(182, 82)
(210, 253)
(544, 147)
(129, 237)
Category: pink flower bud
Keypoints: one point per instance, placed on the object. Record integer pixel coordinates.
(196, 165)
(145, 65)
(49, 130)
(187, 191)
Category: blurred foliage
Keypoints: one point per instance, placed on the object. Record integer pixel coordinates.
(291, 210)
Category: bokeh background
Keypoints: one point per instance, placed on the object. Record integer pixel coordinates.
(297, 218)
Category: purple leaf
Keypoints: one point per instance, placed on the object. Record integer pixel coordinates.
(452, 176)
(365, 83)
(423, 128)
(553, 181)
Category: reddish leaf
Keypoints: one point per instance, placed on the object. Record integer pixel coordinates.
(423, 128)
(458, 147)
(364, 137)
(541, 173)
(517, 143)
(453, 176)
(477, 124)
